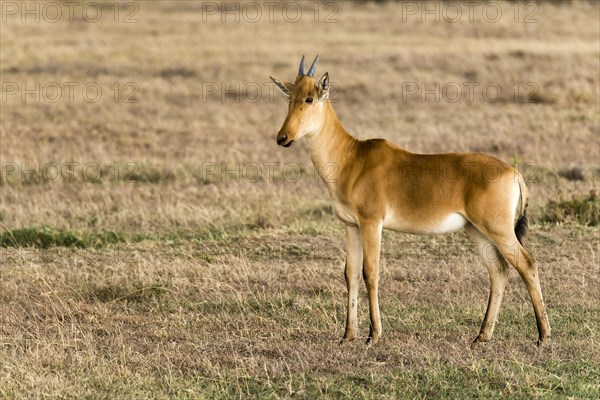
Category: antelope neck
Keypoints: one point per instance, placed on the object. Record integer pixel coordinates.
(331, 147)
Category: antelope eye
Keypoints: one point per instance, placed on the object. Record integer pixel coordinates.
(309, 100)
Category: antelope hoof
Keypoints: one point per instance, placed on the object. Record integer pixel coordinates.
(349, 335)
(480, 339)
(372, 340)
(542, 342)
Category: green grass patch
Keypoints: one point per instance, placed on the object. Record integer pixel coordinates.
(584, 210)
(45, 237)
(489, 379)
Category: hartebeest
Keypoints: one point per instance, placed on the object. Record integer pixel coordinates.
(375, 184)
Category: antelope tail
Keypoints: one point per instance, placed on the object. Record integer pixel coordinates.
(522, 225)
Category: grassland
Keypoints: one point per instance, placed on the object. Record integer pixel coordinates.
(152, 261)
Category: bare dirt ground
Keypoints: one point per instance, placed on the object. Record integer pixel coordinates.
(156, 242)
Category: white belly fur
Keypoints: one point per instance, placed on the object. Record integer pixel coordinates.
(450, 223)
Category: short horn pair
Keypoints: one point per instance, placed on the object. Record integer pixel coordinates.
(311, 71)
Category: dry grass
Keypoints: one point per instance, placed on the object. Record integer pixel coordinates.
(175, 273)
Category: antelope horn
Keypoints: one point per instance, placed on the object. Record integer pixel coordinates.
(313, 67)
(301, 69)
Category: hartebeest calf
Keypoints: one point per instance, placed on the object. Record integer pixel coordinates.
(375, 184)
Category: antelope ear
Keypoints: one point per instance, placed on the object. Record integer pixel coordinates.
(324, 87)
(285, 87)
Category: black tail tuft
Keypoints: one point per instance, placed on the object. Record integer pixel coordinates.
(522, 226)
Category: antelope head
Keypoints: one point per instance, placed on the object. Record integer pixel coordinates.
(306, 109)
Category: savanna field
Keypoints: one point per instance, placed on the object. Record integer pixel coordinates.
(157, 243)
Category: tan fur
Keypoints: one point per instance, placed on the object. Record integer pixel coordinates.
(375, 184)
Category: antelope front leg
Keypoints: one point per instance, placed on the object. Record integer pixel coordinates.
(354, 258)
(371, 241)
